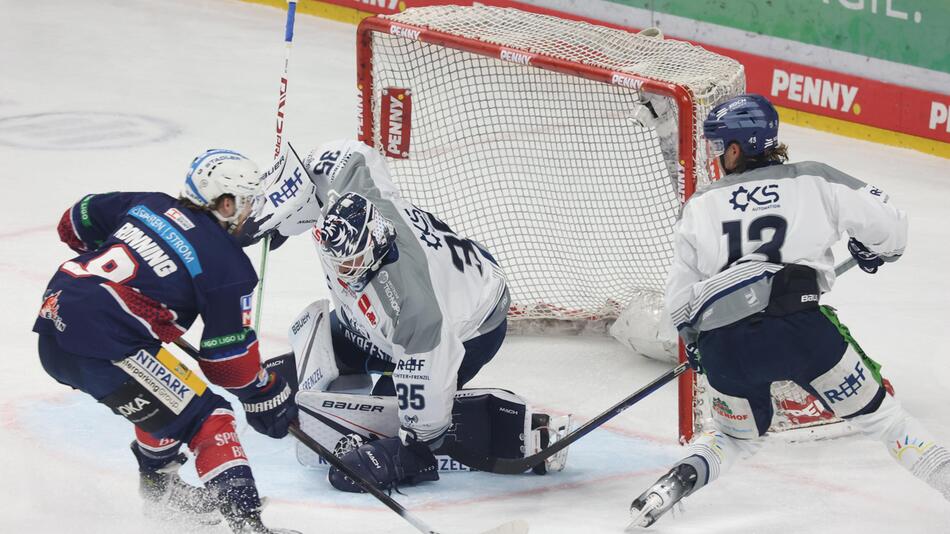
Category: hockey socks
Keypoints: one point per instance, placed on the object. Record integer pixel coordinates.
(153, 453)
(167, 497)
(909, 443)
(223, 467)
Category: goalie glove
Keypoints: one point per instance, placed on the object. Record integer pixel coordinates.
(387, 462)
(288, 203)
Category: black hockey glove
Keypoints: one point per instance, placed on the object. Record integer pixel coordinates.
(272, 408)
(868, 261)
(387, 462)
(694, 359)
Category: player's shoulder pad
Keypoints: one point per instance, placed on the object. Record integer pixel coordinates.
(329, 159)
(827, 172)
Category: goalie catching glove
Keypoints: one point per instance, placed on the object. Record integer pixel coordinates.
(387, 463)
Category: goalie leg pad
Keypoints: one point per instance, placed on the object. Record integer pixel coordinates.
(498, 423)
(331, 417)
(491, 422)
(310, 337)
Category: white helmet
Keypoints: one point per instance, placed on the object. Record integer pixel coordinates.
(222, 172)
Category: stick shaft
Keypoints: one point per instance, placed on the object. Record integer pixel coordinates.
(279, 129)
(511, 466)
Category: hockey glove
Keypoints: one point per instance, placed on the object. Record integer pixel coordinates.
(387, 463)
(694, 359)
(868, 261)
(272, 408)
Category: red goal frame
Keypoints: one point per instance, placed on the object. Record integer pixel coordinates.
(679, 93)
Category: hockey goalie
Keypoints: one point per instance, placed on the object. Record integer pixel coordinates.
(417, 310)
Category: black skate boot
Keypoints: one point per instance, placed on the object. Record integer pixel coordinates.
(659, 498)
(240, 503)
(168, 497)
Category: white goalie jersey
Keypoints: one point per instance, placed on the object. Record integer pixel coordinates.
(735, 233)
(418, 310)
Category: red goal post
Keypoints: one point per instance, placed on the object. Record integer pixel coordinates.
(609, 121)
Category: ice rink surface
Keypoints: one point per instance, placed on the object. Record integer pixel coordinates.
(111, 95)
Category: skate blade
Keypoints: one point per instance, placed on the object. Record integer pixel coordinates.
(643, 519)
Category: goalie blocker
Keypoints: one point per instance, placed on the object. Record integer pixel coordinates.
(337, 411)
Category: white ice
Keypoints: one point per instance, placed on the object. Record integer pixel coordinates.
(202, 74)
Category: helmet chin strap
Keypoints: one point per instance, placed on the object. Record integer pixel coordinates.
(231, 221)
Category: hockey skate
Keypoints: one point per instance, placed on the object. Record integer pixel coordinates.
(659, 498)
(546, 431)
(241, 506)
(251, 524)
(168, 497)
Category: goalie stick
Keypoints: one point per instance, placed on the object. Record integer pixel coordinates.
(516, 466)
(279, 128)
(512, 527)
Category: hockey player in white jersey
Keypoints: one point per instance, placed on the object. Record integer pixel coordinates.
(751, 259)
(412, 300)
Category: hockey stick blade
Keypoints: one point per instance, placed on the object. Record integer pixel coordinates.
(515, 466)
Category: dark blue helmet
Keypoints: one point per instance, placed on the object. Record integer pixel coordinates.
(749, 120)
(355, 238)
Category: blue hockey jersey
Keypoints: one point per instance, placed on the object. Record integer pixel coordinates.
(148, 267)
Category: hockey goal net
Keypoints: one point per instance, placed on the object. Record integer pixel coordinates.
(564, 147)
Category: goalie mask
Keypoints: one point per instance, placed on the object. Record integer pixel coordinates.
(222, 172)
(355, 239)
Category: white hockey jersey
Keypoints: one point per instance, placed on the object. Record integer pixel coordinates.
(442, 290)
(735, 233)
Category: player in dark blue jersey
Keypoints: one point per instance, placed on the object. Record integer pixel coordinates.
(148, 266)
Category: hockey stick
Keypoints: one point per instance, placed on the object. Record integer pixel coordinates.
(281, 102)
(515, 466)
(512, 527)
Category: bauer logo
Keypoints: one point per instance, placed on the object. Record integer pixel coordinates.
(521, 58)
(300, 323)
(625, 81)
(396, 119)
(815, 91)
(353, 406)
(404, 32)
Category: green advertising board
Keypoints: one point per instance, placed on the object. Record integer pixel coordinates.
(912, 32)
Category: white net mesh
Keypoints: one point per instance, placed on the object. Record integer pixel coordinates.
(570, 182)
